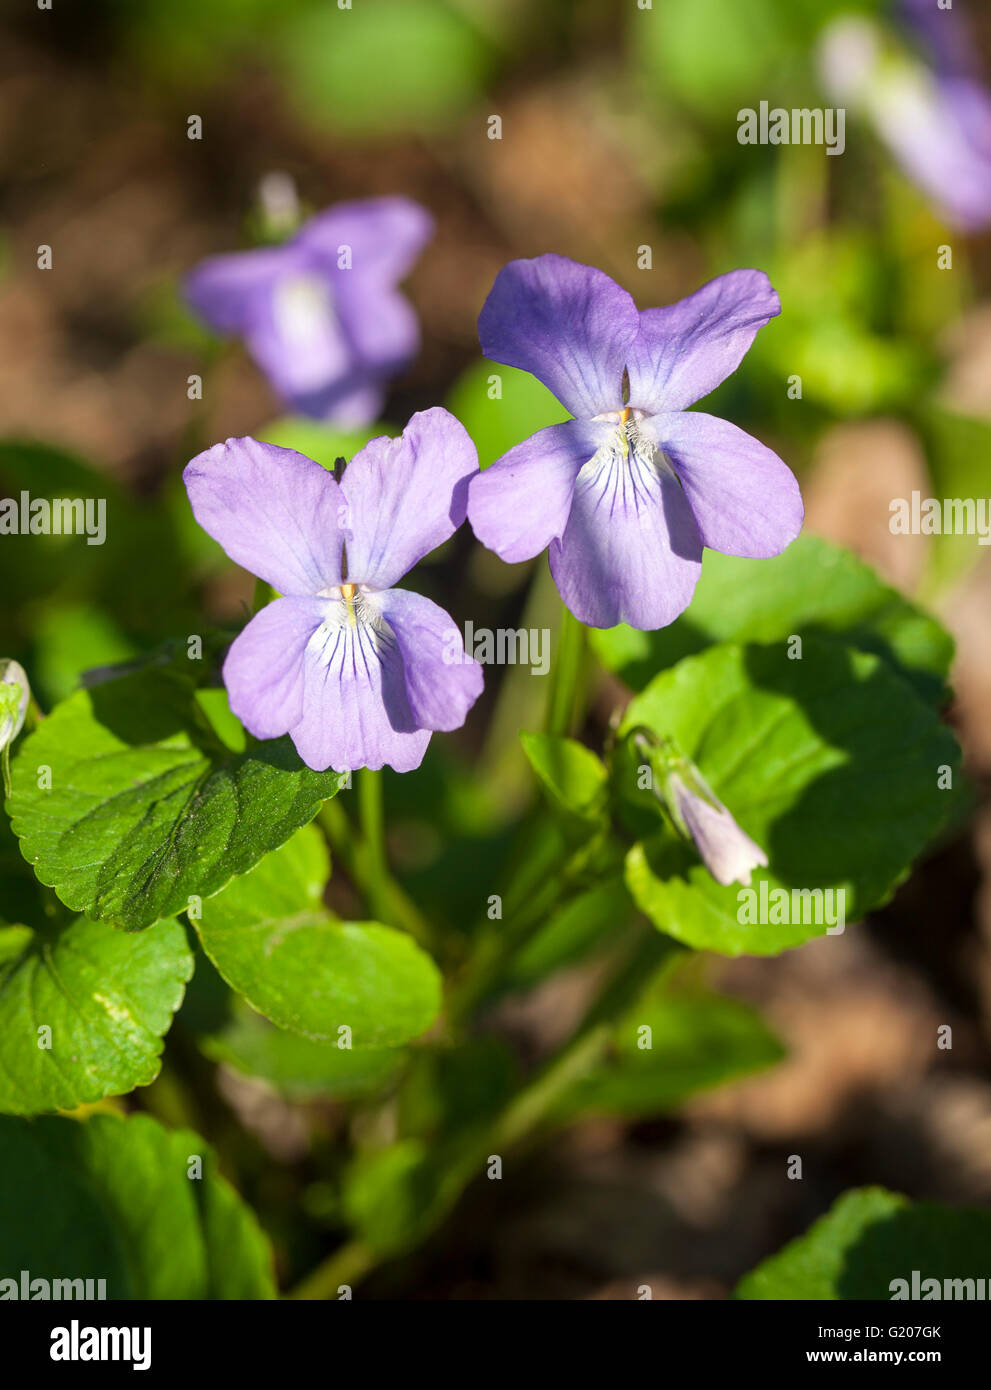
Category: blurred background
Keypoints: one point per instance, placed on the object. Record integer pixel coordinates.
(618, 148)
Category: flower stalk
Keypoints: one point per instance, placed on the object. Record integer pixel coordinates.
(565, 694)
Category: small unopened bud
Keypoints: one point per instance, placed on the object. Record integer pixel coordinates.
(726, 851)
(15, 695)
(279, 204)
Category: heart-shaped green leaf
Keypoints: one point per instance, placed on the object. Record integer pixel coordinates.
(296, 1066)
(874, 1244)
(811, 588)
(83, 1008)
(272, 940)
(831, 763)
(128, 803)
(126, 1201)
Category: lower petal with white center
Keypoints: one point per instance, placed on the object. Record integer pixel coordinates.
(357, 678)
(356, 712)
(631, 550)
(330, 675)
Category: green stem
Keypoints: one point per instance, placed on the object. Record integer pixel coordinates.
(563, 697)
(372, 820)
(347, 1265)
(496, 950)
(394, 906)
(519, 1121)
(263, 595)
(561, 877)
(536, 1103)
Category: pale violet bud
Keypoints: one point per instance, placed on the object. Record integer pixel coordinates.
(279, 203)
(726, 851)
(849, 58)
(15, 694)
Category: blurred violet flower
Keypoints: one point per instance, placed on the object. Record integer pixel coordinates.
(626, 494)
(321, 314)
(356, 671)
(927, 105)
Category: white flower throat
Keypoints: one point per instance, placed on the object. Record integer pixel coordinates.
(626, 470)
(302, 307)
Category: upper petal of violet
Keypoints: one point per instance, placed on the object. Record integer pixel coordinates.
(684, 350)
(277, 514)
(383, 235)
(406, 496)
(382, 238)
(568, 324)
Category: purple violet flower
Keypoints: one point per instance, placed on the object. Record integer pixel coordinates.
(321, 315)
(626, 494)
(931, 110)
(356, 671)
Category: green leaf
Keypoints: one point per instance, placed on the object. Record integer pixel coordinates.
(397, 65)
(113, 1199)
(830, 763)
(523, 406)
(453, 1090)
(585, 922)
(70, 639)
(713, 55)
(394, 1198)
(957, 449)
(298, 1067)
(868, 1239)
(115, 573)
(272, 941)
(667, 1049)
(184, 40)
(40, 563)
(147, 806)
(812, 588)
(571, 774)
(837, 336)
(108, 999)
